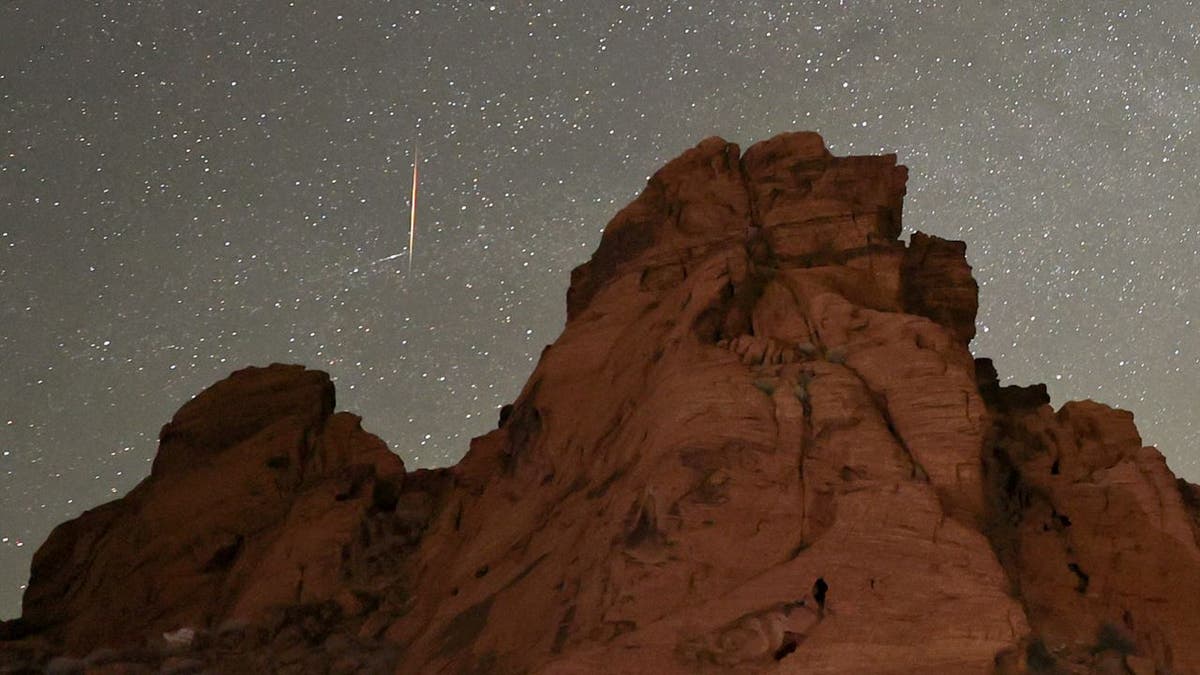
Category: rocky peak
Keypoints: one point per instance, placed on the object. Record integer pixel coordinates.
(760, 443)
(256, 495)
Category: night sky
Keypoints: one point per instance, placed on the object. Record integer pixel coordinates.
(188, 188)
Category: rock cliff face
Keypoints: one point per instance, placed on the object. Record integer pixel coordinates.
(760, 444)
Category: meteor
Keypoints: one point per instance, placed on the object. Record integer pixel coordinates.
(412, 217)
(390, 257)
(412, 214)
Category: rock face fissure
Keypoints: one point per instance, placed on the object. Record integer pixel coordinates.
(760, 444)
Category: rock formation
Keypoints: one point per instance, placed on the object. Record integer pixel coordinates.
(760, 444)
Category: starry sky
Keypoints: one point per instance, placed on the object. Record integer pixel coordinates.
(187, 188)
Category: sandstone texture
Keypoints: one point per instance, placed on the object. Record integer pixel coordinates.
(258, 498)
(760, 444)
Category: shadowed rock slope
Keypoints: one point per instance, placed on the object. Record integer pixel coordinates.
(759, 445)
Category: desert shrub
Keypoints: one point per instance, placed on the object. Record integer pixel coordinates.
(1038, 658)
(1114, 638)
(765, 385)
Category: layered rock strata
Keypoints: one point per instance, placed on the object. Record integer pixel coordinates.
(760, 444)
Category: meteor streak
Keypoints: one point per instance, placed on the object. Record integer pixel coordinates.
(412, 217)
(412, 214)
(390, 257)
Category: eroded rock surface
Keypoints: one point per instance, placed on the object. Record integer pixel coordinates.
(1098, 536)
(760, 444)
(257, 496)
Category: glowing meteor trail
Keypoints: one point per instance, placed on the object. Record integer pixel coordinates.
(412, 218)
(412, 214)
(390, 257)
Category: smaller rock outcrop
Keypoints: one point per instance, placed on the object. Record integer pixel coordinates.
(1096, 534)
(257, 496)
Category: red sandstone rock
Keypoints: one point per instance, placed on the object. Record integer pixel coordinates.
(256, 491)
(760, 443)
(1097, 535)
